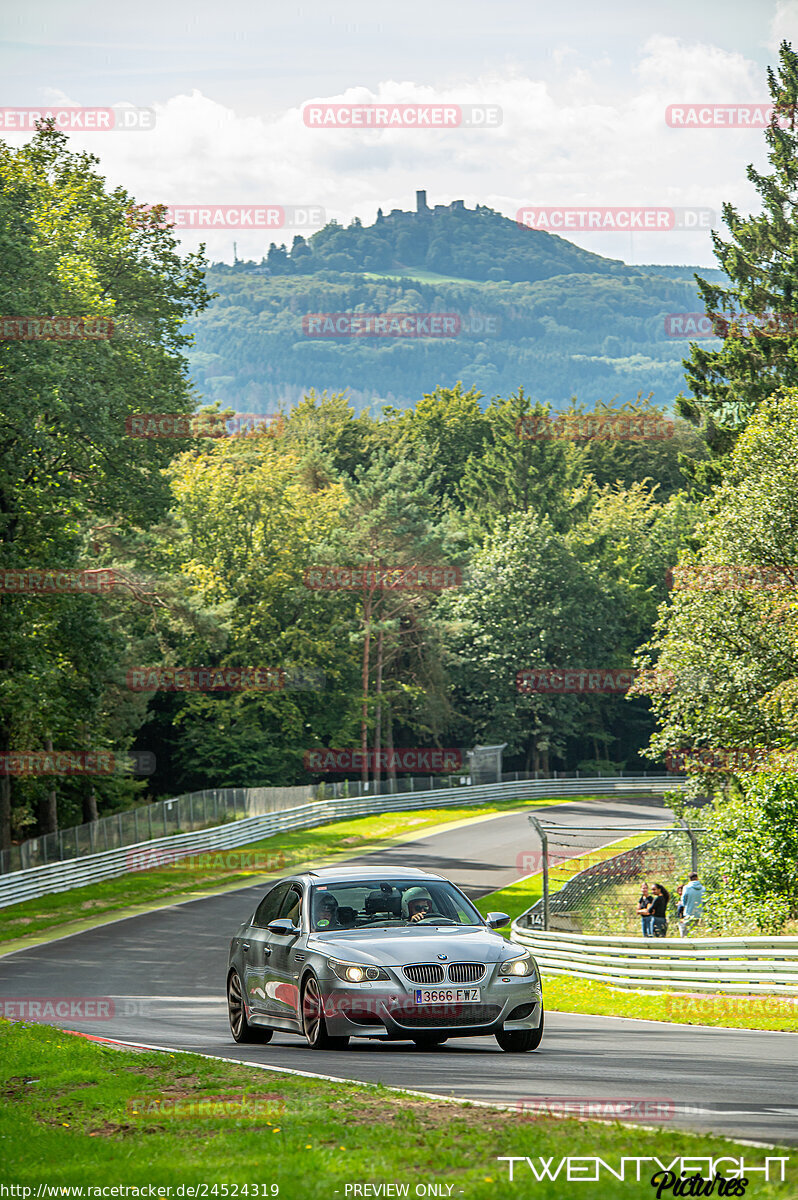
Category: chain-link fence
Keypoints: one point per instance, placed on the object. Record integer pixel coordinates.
(598, 891)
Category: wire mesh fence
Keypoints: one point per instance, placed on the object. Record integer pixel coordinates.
(598, 891)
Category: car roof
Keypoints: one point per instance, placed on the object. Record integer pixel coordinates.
(344, 872)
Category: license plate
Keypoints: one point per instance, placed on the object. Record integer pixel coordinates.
(447, 995)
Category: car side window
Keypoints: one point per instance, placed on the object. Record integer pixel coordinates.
(292, 906)
(269, 907)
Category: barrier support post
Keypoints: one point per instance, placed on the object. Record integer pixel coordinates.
(544, 847)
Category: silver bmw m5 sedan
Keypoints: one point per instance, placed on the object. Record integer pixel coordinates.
(379, 953)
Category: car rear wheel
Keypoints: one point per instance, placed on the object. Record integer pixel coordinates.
(313, 1023)
(428, 1041)
(240, 1027)
(518, 1041)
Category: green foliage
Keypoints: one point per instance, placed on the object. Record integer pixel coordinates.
(750, 854)
(760, 261)
(597, 333)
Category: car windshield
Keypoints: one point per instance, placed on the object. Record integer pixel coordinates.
(364, 904)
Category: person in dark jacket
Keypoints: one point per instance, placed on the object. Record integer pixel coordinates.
(657, 910)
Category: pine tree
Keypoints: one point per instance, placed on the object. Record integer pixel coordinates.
(755, 315)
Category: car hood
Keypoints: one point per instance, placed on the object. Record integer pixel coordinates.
(400, 946)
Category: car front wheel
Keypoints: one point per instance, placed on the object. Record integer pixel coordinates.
(240, 1027)
(518, 1041)
(313, 1023)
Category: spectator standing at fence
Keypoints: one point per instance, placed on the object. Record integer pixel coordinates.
(692, 904)
(658, 909)
(642, 910)
(679, 905)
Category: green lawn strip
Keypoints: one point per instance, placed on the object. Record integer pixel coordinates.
(567, 993)
(22, 925)
(79, 1113)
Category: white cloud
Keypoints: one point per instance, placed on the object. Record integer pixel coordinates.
(567, 139)
(783, 25)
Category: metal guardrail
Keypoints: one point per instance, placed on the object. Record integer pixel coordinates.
(77, 872)
(213, 806)
(741, 965)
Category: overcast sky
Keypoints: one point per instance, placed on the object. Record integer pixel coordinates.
(583, 90)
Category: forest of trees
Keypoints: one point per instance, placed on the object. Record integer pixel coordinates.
(562, 547)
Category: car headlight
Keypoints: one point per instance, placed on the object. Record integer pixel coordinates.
(356, 972)
(522, 964)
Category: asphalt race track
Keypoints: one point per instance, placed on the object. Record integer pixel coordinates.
(165, 973)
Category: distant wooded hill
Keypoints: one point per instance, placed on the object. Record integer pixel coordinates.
(533, 310)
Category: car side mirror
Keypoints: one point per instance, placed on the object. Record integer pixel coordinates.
(283, 927)
(495, 920)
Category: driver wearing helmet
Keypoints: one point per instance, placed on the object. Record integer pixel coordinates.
(416, 904)
(326, 911)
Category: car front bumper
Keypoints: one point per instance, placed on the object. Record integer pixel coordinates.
(389, 1010)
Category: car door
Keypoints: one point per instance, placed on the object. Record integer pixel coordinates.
(285, 958)
(257, 949)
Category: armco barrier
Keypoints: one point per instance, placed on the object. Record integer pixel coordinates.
(740, 965)
(62, 876)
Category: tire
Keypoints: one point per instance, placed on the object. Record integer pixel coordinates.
(519, 1041)
(428, 1041)
(240, 1027)
(313, 1024)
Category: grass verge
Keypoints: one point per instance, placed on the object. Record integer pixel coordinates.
(567, 993)
(204, 874)
(80, 1114)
